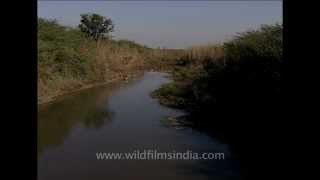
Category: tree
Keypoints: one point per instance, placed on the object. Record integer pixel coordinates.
(95, 25)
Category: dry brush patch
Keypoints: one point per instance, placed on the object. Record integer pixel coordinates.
(67, 60)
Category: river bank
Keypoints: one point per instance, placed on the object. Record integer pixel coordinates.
(123, 118)
(235, 97)
(68, 61)
(121, 78)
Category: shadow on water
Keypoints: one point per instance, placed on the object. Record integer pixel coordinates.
(251, 141)
(227, 167)
(118, 118)
(87, 108)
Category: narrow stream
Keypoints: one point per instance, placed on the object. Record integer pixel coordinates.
(122, 118)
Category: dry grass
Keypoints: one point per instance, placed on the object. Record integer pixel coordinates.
(118, 58)
(110, 63)
(68, 61)
(205, 51)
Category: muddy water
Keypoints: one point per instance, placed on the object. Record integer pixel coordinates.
(122, 118)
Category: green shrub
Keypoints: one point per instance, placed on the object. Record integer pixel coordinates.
(59, 48)
(248, 73)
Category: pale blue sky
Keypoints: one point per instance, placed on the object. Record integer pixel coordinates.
(174, 24)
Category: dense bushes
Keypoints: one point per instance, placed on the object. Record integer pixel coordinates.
(235, 95)
(68, 60)
(62, 59)
(243, 70)
(246, 75)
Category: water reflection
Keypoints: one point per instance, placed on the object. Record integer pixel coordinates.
(122, 119)
(87, 108)
(214, 169)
